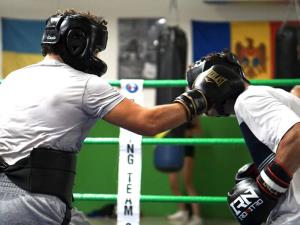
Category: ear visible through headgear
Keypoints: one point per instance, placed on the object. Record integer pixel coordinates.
(76, 41)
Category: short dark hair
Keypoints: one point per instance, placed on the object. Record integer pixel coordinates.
(48, 48)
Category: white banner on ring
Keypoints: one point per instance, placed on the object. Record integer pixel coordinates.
(130, 162)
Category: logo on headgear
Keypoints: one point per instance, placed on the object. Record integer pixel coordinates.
(49, 37)
(132, 87)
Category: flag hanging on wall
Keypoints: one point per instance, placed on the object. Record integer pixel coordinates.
(1, 65)
(252, 42)
(21, 43)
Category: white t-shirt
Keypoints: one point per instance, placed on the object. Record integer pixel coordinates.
(52, 105)
(269, 113)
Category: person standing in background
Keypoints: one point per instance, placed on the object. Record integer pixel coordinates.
(191, 129)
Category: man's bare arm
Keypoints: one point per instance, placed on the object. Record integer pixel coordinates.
(146, 121)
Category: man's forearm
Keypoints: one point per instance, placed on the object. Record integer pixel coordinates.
(288, 152)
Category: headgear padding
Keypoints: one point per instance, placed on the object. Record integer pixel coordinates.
(77, 39)
(225, 58)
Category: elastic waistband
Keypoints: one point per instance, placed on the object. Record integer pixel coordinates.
(7, 186)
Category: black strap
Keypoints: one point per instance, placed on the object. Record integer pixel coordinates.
(67, 218)
(3, 164)
(45, 171)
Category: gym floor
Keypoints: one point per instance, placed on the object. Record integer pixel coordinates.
(160, 221)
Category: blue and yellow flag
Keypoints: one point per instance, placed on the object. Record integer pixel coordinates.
(21, 43)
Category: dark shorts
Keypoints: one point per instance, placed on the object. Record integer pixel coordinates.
(189, 151)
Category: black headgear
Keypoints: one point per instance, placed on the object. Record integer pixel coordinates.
(77, 39)
(223, 58)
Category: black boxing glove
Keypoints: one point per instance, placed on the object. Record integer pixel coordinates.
(194, 102)
(248, 204)
(220, 85)
(225, 58)
(252, 200)
(249, 170)
(193, 72)
(217, 88)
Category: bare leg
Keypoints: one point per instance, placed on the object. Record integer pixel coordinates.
(188, 181)
(175, 188)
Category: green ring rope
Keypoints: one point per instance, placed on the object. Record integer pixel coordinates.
(162, 198)
(153, 198)
(176, 141)
(183, 83)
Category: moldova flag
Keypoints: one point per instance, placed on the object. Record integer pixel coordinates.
(252, 42)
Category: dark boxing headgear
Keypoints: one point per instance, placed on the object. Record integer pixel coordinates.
(225, 58)
(77, 39)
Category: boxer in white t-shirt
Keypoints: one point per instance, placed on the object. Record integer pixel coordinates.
(269, 188)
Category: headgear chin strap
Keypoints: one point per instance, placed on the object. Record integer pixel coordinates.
(77, 40)
(223, 58)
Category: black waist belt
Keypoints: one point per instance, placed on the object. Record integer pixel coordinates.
(45, 171)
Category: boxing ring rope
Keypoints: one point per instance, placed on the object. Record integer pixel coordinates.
(153, 198)
(183, 83)
(177, 141)
(161, 198)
